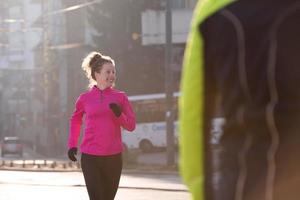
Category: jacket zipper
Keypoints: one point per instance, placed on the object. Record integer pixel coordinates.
(101, 96)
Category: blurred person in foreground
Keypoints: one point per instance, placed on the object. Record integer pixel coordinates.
(105, 111)
(242, 57)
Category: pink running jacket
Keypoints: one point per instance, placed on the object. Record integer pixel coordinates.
(102, 131)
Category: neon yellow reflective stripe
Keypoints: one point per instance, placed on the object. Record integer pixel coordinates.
(191, 102)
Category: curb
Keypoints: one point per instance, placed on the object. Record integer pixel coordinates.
(39, 165)
(68, 166)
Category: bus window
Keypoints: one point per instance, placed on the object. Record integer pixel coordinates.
(150, 116)
(152, 108)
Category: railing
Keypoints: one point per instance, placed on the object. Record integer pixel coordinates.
(50, 165)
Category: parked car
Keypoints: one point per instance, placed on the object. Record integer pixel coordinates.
(12, 145)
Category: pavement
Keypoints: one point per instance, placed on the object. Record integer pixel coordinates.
(168, 182)
(36, 185)
(147, 178)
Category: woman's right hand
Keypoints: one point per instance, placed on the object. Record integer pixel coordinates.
(71, 153)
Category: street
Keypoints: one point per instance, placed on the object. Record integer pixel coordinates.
(31, 182)
(17, 185)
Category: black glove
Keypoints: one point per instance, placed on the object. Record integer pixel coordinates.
(71, 153)
(115, 108)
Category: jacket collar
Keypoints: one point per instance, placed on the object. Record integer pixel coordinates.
(95, 88)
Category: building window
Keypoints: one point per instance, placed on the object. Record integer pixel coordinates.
(184, 4)
(177, 4)
(191, 3)
(16, 57)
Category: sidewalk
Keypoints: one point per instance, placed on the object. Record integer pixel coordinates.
(67, 184)
(149, 187)
(147, 178)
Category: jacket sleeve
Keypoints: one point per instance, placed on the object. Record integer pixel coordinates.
(75, 123)
(191, 121)
(127, 118)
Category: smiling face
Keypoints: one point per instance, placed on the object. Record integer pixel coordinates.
(106, 76)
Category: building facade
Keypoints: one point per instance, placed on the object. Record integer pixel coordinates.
(43, 42)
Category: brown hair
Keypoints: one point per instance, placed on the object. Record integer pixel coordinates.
(92, 63)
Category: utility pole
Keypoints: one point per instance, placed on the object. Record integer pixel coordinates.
(168, 87)
(46, 72)
(2, 52)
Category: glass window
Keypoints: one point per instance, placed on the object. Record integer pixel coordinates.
(178, 4)
(184, 4)
(191, 3)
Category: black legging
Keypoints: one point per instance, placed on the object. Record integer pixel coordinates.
(101, 175)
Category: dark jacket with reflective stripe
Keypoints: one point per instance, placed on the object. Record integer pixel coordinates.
(252, 72)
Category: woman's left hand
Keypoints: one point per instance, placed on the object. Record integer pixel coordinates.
(116, 109)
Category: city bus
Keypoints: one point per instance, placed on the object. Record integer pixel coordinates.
(150, 132)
